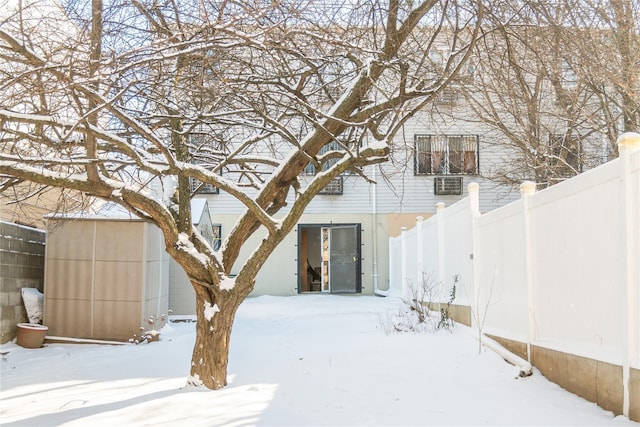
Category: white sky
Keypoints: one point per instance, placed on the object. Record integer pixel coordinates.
(295, 361)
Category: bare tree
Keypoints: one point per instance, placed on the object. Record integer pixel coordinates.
(604, 37)
(556, 83)
(239, 96)
(538, 111)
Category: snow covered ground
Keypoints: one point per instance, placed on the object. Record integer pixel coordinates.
(296, 361)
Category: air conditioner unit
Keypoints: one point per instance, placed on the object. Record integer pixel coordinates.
(447, 186)
(335, 187)
(448, 96)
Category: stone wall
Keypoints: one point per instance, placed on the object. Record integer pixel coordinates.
(21, 266)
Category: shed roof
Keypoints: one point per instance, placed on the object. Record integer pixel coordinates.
(114, 212)
(107, 212)
(198, 208)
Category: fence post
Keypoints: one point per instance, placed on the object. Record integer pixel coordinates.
(403, 264)
(440, 206)
(474, 198)
(395, 264)
(527, 188)
(420, 249)
(629, 143)
(474, 210)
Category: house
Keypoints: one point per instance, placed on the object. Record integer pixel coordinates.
(27, 203)
(340, 244)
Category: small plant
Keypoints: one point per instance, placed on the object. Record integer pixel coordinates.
(445, 321)
(147, 334)
(418, 316)
(403, 320)
(422, 296)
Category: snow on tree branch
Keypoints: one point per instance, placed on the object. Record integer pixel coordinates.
(244, 97)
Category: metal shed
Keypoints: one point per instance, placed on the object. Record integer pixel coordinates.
(106, 276)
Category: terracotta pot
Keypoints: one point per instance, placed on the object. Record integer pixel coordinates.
(31, 335)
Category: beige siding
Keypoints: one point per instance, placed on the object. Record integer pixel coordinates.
(68, 317)
(117, 280)
(119, 241)
(115, 320)
(67, 278)
(70, 240)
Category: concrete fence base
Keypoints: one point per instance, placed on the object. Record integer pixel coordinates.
(594, 380)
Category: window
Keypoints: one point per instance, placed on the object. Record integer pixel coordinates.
(565, 155)
(568, 75)
(335, 187)
(217, 236)
(212, 234)
(198, 187)
(201, 148)
(467, 74)
(446, 154)
(436, 56)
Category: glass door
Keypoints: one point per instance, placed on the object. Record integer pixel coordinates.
(343, 265)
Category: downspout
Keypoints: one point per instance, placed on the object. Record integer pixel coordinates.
(374, 233)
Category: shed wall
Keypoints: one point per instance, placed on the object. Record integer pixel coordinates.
(103, 279)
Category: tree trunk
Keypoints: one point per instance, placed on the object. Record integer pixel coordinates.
(213, 330)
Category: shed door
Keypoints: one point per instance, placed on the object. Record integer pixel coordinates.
(344, 259)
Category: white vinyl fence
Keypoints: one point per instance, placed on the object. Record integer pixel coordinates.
(558, 268)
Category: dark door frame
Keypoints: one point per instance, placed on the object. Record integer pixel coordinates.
(302, 258)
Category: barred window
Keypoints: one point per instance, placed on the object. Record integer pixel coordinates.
(335, 187)
(310, 169)
(446, 154)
